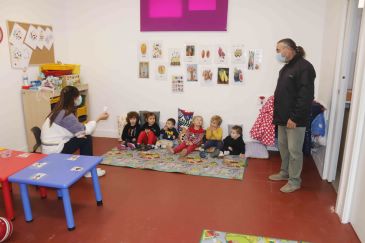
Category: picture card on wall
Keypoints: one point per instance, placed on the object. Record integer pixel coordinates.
(238, 54)
(191, 72)
(20, 55)
(190, 53)
(206, 75)
(143, 50)
(42, 36)
(32, 37)
(183, 15)
(157, 50)
(238, 75)
(177, 82)
(161, 71)
(17, 35)
(144, 70)
(48, 38)
(220, 54)
(223, 75)
(175, 57)
(254, 59)
(204, 54)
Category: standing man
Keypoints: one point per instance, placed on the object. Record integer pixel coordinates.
(294, 94)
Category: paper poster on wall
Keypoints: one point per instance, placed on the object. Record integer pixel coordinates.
(17, 35)
(238, 75)
(20, 55)
(190, 53)
(175, 57)
(205, 54)
(177, 82)
(144, 70)
(41, 37)
(192, 72)
(32, 37)
(223, 75)
(48, 38)
(143, 50)
(254, 59)
(220, 54)
(157, 52)
(238, 54)
(161, 71)
(206, 75)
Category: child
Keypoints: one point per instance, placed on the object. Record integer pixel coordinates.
(131, 131)
(193, 137)
(234, 144)
(213, 137)
(168, 134)
(149, 132)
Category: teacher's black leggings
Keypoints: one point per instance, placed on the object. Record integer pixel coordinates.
(84, 144)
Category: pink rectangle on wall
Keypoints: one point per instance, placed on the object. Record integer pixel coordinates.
(165, 9)
(202, 5)
(183, 15)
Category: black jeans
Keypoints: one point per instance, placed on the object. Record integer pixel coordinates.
(84, 144)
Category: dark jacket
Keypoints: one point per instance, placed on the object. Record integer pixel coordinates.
(237, 145)
(170, 134)
(130, 132)
(294, 92)
(154, 128)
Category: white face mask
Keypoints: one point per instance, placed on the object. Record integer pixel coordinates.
(78, 101)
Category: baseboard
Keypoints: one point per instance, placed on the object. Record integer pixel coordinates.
(106, 133)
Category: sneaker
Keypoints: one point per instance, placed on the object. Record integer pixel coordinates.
(226, 153)
(203, 154)
(221, 154)
(215, 153)
(139, 146)
(99, 171)
(278, 177)
(131, 146)
(289, 188)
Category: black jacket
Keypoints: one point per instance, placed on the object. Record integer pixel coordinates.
(154, 128)
(130, 132)
(294, 92)
(237, 145)
(170, 134)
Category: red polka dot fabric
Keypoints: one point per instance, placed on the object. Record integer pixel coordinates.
(263, 130)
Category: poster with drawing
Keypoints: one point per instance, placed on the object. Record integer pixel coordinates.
(17, 35)
(206, 75)
(41, 37)
(48, 38)
(157, 52)
(32, 37)
(238, 75)
(190, 53)
(143, 50)
(161, 71)
(238, 54)
(220, 54)
(20, 55)
(144, 71)
(223, 75)
(192, 72)
(205, 54)
(177, 82)
(175, 57)
(254, 59)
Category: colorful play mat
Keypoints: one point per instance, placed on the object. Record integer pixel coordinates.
(212, 236)
(230, 167)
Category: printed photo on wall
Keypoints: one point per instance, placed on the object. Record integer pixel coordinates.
(175, 57)
(192, 72)
(17, 35)
(48, 38)
(220, 54)
(157, 52)
(32, 37)
(143, 50)
(161, 71)
(238, 75)
(205, 54)
(206, 75)
(254, 59)
(190, 53)
(238, 54)
(177, 82)
(144, 70)
(223, 76)
(42, 36)
(20, 55)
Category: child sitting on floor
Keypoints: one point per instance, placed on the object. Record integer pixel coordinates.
(149, 132)
(213, 136)
(168, 134)
(130, 131)
(234, 144)
(193, 137)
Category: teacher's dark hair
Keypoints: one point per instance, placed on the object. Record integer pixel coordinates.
(66, 102)
(298, 49)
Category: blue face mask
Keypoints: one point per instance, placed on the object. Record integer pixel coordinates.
(280, 58)
(78, 101)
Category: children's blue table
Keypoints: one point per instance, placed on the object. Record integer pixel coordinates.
(58, 171)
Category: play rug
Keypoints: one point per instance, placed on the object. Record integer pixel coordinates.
(231, 167)
(211, 236)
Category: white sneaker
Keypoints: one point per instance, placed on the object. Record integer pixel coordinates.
(99, 171)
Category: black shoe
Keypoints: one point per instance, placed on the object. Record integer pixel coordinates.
(138, 147)
(203, 154)
(215, 153)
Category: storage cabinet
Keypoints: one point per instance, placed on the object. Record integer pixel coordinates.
(38, 104)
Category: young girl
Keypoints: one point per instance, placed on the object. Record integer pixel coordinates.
(213, 136)
(193, 137)
(130, 131)
(149, 132)
(63, 133)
